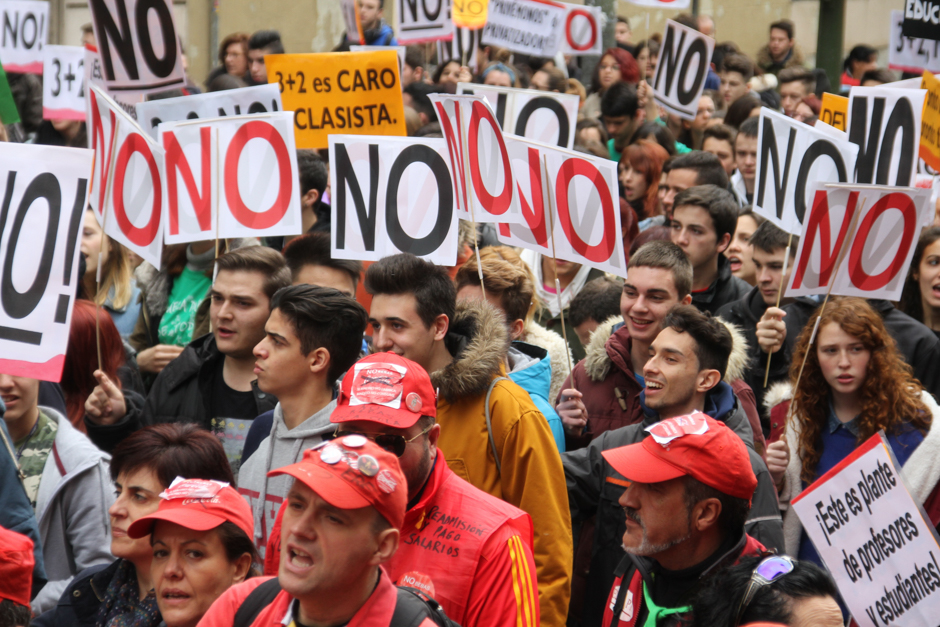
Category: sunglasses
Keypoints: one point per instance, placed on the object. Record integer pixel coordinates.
(394, 444)
(766, 572)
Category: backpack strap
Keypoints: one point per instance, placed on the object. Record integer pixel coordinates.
(413, 606)
(260, 598)
(489, 422)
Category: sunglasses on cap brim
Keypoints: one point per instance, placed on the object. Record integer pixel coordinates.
(394, 444)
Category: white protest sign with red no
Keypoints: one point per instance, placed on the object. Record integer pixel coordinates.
(874, 539)
(874, 228)
(127, 188)
(240, 170)
(44, 194)
(532, 191)
(584, 26)
(392, 195)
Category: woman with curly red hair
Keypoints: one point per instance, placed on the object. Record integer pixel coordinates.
(855, 383)
(640, 168)
(616, 65)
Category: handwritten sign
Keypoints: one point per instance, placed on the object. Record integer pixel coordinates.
(25, 34)
(44, 195)
(874, 539)
(533, 27)
(63, 83)
(834, 111)
(921, 19)
(930, 124)
(908, 54)
(541, 116)
(421, 21)
(682, 68)
(357, 93)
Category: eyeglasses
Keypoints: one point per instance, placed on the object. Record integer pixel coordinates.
(394, 444)
(767, 571)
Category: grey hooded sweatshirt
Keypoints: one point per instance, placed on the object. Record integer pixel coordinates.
(281, 448)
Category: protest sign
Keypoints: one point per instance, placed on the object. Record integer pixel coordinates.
(244, 101)
(355, 93)
(834, 111)
(682, 68)
(45, 190)
(908, 54)
(532, 190)
(420, 21)
(479, 160)
(392, 195)
(541, 116)
(469, 14)
(930, 125)
(127, 183)
(885, 125)
(586, 208)
(533, 27)
(790, 155)
(663, 4)
(462, 48)
(94, 75)
(25, 34)
(351, 17)
(231, 177)
(878, 242)
(583, 30)
(138, 44)
(874, 538)
(399, 50)
(63, 83)
(921, 19)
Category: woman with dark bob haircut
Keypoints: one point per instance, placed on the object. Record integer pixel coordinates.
(142, 466)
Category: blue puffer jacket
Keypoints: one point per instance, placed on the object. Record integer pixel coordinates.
(383, 35)
(530, 368)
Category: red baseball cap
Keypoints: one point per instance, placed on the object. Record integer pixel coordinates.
(353, 472)
(198, 504)
(694, 445)
(16, 566)
(387, 389)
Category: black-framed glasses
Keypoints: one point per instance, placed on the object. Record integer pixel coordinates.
(394, 444)
(766, 572)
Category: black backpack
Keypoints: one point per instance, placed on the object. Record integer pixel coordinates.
(411, 607)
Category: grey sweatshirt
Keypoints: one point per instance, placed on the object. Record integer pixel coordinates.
(282, 447)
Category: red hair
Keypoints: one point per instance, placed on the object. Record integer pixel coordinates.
(629, 69)
(647, 157)
(81, 358)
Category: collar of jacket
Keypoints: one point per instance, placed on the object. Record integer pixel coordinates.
(644, 565)
(478, 341)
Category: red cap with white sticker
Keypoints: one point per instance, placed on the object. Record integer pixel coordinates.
(385, 388)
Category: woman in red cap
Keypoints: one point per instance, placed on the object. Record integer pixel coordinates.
(201, 538)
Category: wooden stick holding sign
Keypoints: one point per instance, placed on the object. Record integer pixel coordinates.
(561, 309)
(473, 219)
(102, 253)
(783, 275)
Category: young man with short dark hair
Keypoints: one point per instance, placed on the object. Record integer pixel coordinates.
(736, 71)
(688, 170)
(597, 301)
(718, 139)
(703, 222)
(745, 158)
(781, 50)
(312, 336)
(794, 84)
(621, 115)
(412, 70)
(262, 43)
(311, 263)
(491, 432)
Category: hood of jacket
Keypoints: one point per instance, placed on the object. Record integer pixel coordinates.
(76, 454)
(478, 341)
(611, 341)
(530, 368)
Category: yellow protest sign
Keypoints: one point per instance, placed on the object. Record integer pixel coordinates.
(834, 110)
(930, 122)
(469, 13)
(350, 93)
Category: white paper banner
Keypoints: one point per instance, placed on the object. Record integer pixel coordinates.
(63, 83)
(533, 27)
(25, 34)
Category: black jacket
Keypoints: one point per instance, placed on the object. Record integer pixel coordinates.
(725, 289)
(78, 605)
(594, 487)
(919, 346)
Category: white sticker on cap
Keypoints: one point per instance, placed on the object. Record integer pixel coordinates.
(666, 431)
(377, 384)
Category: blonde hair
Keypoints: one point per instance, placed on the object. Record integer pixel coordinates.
(506, 275)
(117, 273)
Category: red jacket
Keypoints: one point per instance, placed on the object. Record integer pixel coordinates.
(468, 550)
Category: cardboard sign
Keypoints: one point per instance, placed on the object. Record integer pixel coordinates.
(126, 191)
(930, 125)
(583, 193)
(462, 48)
(876, 245)
(663, 4)
(392, 195)
(63, 83)
(907, 54)
(834, 111)
(420, 21)
(584, 26)
(885, 125)
(357, 93)
(541, 116)
(470, 14)
(479, 160)
(25, 34)
(921, 19)
(138, 44)
(683, 65)
(44, 195)
(790, 157)
(532, 190)
(244, 101)
(874, 538)
(533, 27)
(239, 171)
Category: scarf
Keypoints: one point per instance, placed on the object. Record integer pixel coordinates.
(122, 606)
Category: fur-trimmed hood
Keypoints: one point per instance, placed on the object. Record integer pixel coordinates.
(558, 353)
(597, 362)
(478, 340)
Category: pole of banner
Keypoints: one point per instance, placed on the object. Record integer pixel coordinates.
(103, 251)
(469, 181)
(561, 310)
(215, 266)
(786, 260)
